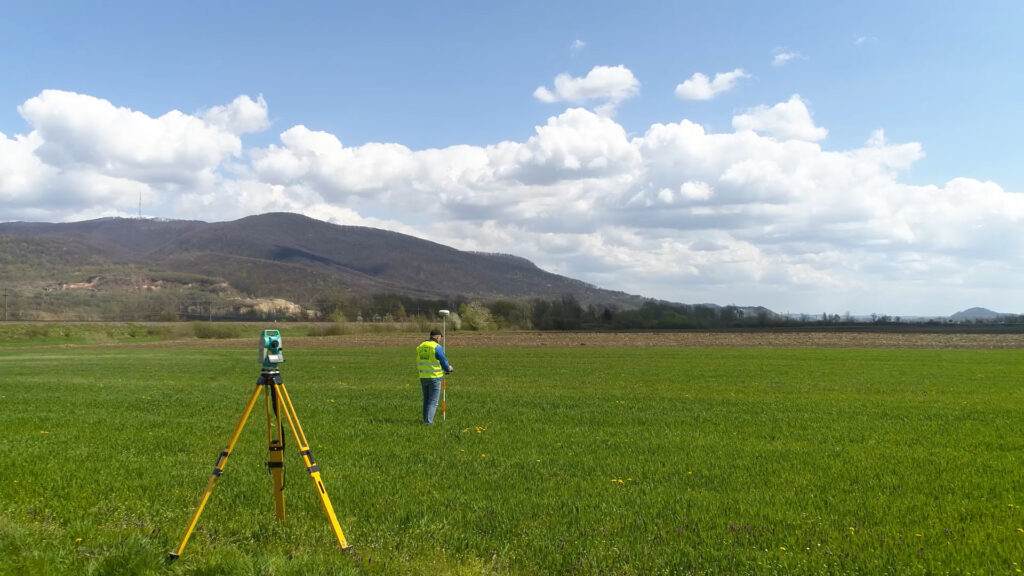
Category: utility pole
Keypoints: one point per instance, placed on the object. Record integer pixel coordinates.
(5, 304)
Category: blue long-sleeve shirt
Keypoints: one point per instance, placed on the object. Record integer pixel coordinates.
(439, 354)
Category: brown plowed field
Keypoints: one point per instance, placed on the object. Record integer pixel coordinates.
(681, 340)
(760, 339)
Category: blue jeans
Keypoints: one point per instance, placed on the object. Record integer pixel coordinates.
(431, 394)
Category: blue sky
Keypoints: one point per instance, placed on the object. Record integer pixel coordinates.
(850, 157)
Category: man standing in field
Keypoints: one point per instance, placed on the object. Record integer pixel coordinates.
(432, 366)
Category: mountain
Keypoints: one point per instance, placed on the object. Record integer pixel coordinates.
(277, 255)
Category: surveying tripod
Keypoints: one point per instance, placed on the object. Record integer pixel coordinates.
(278, 402)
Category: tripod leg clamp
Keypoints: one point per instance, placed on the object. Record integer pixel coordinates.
(313, 467)
(218, 468)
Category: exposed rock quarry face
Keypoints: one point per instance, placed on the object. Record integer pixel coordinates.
(269, 306)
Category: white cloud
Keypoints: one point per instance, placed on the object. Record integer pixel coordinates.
(23, 175)
(320, 160)
(86, 156)
(781, 57)
(609, 84)
(878, 152)
(577, 46)
(676, 212)
(575, 145)
(242, 116)
(786, 120)
(700, 87)
(84, 132)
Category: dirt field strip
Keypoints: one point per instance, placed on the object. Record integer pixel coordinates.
(678, 340)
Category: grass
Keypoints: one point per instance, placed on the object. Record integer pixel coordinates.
(671, 461)
(34, 335)
(44, 334)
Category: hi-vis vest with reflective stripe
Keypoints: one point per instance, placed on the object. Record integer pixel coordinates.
(426, 360)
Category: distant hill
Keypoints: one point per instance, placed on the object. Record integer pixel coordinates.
(277, 255)
(976, 314)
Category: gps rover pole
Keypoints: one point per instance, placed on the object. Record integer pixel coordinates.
(444, 344)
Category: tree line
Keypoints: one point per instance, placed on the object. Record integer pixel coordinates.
(565, 313)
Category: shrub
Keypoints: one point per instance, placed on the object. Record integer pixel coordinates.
(215, 331)
(333, 329)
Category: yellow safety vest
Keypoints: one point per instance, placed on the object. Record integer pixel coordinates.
(426, 360)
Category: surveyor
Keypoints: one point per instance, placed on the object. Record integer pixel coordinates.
(432, 366)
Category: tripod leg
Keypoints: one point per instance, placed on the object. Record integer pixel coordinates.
(275, 439)
(218, 469)
(311, 466)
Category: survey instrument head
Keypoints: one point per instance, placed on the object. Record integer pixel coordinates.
(271, 350)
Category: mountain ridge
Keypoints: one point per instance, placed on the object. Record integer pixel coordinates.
(287, 256)
(296, 257)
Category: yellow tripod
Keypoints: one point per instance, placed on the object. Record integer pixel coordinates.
(278, 402)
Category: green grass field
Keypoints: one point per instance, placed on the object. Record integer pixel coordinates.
(574, 461)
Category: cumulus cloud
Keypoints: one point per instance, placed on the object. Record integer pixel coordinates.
(86, 156)
(700, 87)
(23, 176)
(609, 84)
(676, 211)
(577, 144)
(242, 116)
(789, 120)
(83, 132)
(320, 159)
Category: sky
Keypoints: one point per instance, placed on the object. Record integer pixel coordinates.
(810, 157)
